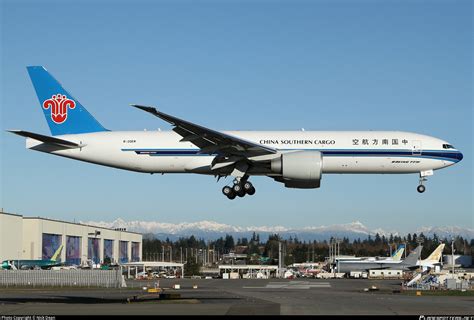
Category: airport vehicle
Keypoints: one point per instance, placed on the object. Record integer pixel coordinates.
(142, 275)
(34, 264)
(298, 159)
(365, 265)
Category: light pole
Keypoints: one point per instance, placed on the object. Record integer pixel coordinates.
(279, 259)
(452, 255)
(420, 241)
(337, 251)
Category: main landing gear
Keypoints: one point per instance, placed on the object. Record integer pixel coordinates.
(240, 188)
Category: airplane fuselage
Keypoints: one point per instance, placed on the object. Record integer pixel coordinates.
(30, 264)
(342, 151)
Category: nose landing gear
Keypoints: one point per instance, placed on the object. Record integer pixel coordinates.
(240, 188)
(423, 174)
(421, 188)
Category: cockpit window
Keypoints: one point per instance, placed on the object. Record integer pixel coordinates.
(447, 146)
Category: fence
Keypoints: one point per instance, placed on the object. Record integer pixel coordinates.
(61, 278)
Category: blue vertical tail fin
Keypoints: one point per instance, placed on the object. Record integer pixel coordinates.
(397, 255)
(64, 113)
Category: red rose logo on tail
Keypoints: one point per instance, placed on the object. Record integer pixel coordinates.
(59, 104)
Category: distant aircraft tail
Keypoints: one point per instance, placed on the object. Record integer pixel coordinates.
(57, 253)
(398, 254)
(413, 257)
(436, 254)
(64, 113)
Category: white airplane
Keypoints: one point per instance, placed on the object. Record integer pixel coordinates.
(411, 262)
(434, 259)
(298, 159)
(396, 256)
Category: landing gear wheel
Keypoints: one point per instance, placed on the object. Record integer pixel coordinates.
(240, 188)
(228, 192)
(247, 186)
(237, 188)
(421, 188)
(251, 191)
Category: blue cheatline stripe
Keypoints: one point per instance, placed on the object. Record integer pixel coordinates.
(430, 154)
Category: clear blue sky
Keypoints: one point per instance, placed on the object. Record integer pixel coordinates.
(268, 65)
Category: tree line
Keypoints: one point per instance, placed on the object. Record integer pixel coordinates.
(199, 251)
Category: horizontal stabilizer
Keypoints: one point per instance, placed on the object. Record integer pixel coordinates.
(47, 139)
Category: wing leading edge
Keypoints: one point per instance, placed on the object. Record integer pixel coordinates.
(211, 141)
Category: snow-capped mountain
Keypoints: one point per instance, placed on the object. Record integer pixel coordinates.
(211, 230)
(447, 232)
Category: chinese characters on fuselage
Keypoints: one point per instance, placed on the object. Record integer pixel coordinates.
(376, 142)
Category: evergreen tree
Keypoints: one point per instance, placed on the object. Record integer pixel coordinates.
(229, 243)
(192, 268)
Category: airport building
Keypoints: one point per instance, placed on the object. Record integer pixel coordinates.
(32, 238)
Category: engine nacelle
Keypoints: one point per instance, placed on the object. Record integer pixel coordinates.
(300, 169)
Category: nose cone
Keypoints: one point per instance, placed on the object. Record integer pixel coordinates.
(5, 265)
(459, 156)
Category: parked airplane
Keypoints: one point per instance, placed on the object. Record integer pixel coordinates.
(298, 159)
(434, 259)
(34, 264)
(365, 265)
(396, 256)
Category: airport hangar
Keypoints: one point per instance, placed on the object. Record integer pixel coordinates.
(32, 238)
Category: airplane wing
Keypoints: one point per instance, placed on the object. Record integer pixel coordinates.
(211, 141)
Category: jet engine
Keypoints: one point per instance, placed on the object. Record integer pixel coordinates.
(299, 169)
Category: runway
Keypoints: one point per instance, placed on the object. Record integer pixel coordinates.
(236, 297)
